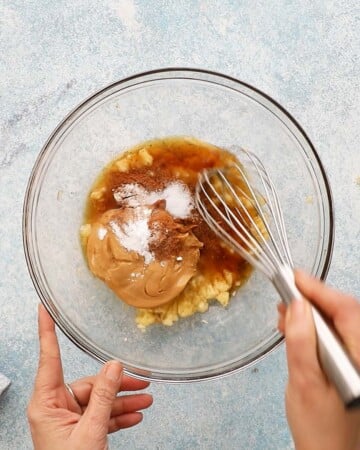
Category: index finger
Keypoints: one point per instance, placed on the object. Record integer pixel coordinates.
(300, 337)
(342, 309)
(82, 388)
(50, 374)
(330, 300)
(127, 383)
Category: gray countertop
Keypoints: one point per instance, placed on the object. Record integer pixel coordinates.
(305, 54)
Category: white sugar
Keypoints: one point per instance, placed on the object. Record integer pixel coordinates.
(135, 234)
(179, 201)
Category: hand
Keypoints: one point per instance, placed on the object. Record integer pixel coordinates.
(315, 413)
(58, 420)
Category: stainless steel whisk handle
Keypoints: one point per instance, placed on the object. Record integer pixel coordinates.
(334, 359)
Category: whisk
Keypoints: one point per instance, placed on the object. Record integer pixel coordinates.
(242, 207)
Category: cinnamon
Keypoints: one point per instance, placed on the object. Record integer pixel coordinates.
(149, 178)
(168, 235)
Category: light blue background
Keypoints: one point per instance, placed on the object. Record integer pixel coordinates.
(304, 53)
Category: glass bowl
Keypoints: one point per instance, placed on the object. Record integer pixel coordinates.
(169, 102)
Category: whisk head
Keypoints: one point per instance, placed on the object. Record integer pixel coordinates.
(240, 204)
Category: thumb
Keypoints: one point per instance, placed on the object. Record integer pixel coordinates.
(97, 414)
(301, 351)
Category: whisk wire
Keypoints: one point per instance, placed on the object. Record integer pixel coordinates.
(266, 247)
(258, 237)
(264, 219)
(230, 216)
(274, 206)
(214, 225)
(241, 233)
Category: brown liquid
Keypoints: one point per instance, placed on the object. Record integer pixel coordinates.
(175, 158)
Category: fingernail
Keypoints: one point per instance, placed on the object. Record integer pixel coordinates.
(113, 371)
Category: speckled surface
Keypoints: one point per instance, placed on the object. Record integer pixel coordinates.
(304, 54)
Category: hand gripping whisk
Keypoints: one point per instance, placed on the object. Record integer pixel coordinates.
(248, 217)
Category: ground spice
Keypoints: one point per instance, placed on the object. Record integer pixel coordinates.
(167, 233)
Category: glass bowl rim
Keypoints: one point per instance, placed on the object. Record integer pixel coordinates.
(81, 342)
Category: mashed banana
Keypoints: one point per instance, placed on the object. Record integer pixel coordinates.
(194, 298)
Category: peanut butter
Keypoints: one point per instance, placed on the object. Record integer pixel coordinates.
(141, 284)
